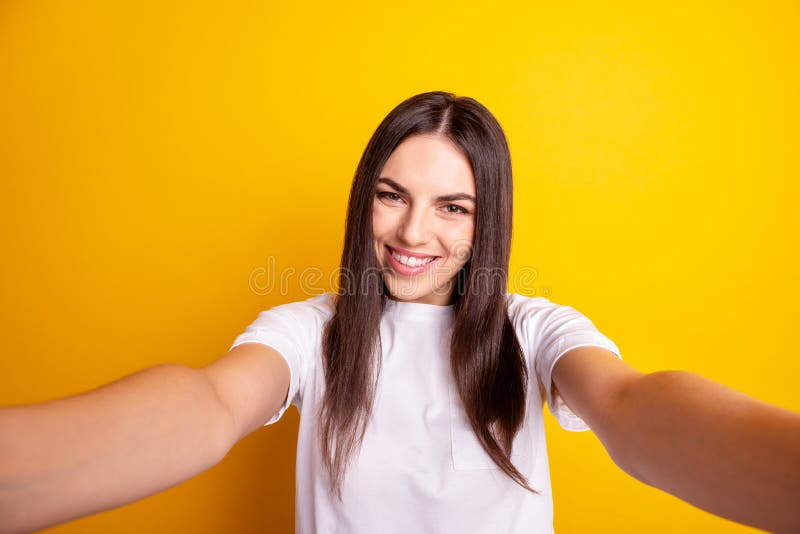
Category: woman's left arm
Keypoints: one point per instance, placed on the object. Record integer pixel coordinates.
(705, 443)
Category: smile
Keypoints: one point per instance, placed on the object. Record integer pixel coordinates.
(409, 265)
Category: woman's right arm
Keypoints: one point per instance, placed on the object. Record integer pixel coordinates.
(144, 433)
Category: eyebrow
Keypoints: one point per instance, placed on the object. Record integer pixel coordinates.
(442, 198)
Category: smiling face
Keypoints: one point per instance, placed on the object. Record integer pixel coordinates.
(423, 219)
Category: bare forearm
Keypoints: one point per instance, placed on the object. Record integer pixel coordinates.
(712, 446)
(101, 449)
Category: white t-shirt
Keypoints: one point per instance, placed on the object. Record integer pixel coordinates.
(420, 468)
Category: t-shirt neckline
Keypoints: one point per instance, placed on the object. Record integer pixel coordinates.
(418, 311)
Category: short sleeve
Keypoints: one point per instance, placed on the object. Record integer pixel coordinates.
(563, 328)
(290, 329)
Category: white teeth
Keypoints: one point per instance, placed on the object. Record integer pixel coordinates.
(411, 262)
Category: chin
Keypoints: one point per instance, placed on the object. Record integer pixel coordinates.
(421, 294)
(400, 293)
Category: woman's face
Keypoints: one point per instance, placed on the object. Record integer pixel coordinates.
(424, 206)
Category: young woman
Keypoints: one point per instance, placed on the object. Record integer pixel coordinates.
(420, 383)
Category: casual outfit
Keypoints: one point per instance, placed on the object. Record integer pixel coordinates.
(420, 468)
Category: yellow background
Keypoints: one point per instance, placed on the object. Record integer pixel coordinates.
(154, 155)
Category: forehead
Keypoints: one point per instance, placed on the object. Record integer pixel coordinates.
(427, 163)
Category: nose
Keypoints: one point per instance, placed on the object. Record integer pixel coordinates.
(416, 228)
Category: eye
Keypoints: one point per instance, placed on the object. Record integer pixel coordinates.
(388, 195)
(458, 209)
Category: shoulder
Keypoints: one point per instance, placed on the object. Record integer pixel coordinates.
(522, 308)
(528, 315)
(311, 312)
(526, 312)
(320, 304)
(548, 325)
(522, 305)
(294, 328)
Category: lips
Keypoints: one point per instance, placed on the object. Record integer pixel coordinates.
(408, 253)
(408, 270)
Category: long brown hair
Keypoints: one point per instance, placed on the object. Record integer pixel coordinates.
(487, 362)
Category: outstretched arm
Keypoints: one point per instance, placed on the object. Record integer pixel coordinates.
(705, 443)
(132, 438)
(79, 455)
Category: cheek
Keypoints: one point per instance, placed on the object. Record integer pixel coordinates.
(382, 220)
(377, 220)
(459, 241)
